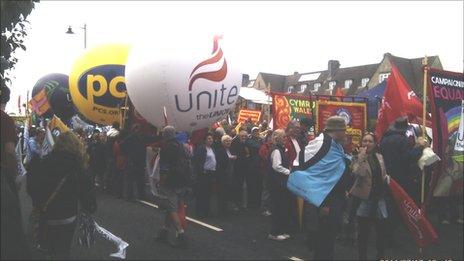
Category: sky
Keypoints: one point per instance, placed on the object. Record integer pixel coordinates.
(273, 37)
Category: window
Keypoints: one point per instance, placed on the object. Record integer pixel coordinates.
(364, 82)
(332, 85)
(303, 87)
(348, 83)
(251, 83)
(290, 89)
(383, 77)
(309, 77)
(317, 85)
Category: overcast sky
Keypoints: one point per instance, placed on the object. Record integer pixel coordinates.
(273, 37)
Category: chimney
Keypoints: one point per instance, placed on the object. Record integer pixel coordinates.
(334, 65)
(245, 79)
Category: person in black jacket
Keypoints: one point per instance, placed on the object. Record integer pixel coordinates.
(241, 149)
(400, 156)
(255, 180)
(204, 166)
(224, 173)
(66, 163)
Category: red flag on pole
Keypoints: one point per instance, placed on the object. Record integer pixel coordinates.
(419, 227)
(399, 100)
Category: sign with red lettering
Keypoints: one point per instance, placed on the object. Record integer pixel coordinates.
(354, 113)
(287, 107)
(446, 92)
(254, 115)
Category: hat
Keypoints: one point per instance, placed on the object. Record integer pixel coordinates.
(400, 124)
(307, 121)
(335, 123)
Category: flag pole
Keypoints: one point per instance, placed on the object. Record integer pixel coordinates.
(424, 130)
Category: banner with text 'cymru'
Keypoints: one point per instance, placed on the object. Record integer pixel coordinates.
(287, 107)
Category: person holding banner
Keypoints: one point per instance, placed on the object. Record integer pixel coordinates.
(369, 169)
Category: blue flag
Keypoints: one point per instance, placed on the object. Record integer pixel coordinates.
(322, 164)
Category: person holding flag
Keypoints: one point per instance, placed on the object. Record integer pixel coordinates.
(323, 180)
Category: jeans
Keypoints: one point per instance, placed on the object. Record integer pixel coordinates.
(204, 191)
(364, 224)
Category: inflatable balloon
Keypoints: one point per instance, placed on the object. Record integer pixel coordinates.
(56, 87)
(97, 83)
(190, 83)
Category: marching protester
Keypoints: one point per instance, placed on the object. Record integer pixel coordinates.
(292, 149)
(254, 181)
(97, 158)
(204, 165)
(400, 157)
(224, 174)
(370, 187)
(241, 149)
(280, 196)
(265, 163)
(120, 160)
(58, 186)
(172, 185)
(34, 146)
(134, 147)
(13, 239)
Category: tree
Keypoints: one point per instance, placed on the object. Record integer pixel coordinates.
(13, 29)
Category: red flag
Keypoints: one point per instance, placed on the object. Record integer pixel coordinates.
(39, 103)
(399, 100)
(419, 227)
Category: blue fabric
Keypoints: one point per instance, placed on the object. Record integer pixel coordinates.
(316, 182)
(374, 96)
(182, 137)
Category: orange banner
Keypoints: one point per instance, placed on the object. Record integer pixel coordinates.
(243, 115)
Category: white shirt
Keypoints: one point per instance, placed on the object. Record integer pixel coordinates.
(277, 163)
(210, 162)
(296, 162)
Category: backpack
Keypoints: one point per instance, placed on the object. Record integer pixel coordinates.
(181, 173)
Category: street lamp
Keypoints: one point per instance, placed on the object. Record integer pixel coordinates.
(70, 31)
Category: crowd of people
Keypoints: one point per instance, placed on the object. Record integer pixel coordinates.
(244, 166)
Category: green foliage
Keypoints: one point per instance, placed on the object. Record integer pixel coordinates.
(13, 30)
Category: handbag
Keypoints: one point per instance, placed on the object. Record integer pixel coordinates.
(37, 219)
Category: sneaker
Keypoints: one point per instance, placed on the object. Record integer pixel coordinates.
(162, 235)
(267, 213)
(277, 238)
(287, 236)
(445, 222)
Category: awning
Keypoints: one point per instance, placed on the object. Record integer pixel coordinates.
(255, 96)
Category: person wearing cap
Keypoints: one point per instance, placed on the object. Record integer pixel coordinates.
(400, 157)
(306, 124)
(323, 180)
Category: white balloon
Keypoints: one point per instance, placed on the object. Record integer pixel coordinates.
(193, 79)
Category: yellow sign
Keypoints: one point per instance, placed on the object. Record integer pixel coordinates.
(97, 84)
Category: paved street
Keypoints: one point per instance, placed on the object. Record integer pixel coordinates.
(244, 236)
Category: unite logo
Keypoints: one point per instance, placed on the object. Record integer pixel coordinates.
(214, 98)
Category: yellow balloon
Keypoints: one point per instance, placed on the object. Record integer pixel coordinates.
(97, 83)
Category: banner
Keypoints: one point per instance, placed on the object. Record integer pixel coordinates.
(354, 113)
(243, 115)
(446, 93)
(419, 227)
(287, 107)
(39, 103)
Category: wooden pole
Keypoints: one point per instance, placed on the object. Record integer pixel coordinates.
(424, 130)
(424, 117)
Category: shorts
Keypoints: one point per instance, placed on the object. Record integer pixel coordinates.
(169, 199)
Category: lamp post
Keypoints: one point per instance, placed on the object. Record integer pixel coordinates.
(70, 31)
